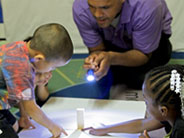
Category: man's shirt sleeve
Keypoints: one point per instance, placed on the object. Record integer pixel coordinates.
(86, 27)
(147, 30)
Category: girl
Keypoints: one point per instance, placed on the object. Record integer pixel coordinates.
(163, 91)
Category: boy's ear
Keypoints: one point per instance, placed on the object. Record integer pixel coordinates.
(163, 110)
(39, 57)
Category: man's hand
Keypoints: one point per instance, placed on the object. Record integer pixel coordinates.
(100, 62)
(89, 62)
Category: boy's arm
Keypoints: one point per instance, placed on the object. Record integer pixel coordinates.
(35, 112)
(42, 92)
(42, 82)
(24, 120)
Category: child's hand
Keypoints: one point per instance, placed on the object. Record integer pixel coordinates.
(25, 123)
(145, 135)
(41, 79)
(96, 132)
(57, 131)
(48, 76)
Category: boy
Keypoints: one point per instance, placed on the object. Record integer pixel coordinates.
(41, 82)
(49, 48)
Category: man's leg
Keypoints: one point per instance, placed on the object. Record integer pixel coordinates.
(102, 87)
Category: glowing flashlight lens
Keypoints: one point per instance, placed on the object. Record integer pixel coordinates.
(90, 78)
(90, 75)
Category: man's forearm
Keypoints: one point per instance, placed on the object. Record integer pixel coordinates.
(130, 58)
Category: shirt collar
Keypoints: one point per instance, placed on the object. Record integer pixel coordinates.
(126, 12)
(125, 15)
(115, 21)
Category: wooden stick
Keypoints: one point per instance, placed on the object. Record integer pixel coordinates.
(80, 118)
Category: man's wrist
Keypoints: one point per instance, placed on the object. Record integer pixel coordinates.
(111, 56)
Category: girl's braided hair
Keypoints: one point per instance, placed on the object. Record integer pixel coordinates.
(160, 86)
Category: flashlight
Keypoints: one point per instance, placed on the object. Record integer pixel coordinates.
(90, 75)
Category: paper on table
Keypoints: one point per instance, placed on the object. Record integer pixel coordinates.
(63, 112)
(81, 134)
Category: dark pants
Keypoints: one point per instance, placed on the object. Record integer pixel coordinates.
(133, 77)
(6, 122)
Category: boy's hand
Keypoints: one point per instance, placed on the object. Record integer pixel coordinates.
(25, 123)
(57, 131)
(35, 112)
(145, 135)
(41, 79)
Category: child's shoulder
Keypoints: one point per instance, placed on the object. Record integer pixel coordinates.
(15, 52)
(178, 129)
(17, 46)
(6, 44)
(16, 43)
(180, 122)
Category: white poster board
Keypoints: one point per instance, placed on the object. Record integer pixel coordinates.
(97, 113)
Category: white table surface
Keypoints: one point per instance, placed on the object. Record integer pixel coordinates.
(97, 113)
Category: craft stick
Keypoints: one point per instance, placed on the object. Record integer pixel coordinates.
(80, 118)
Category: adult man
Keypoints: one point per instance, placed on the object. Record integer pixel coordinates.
(129, 37)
